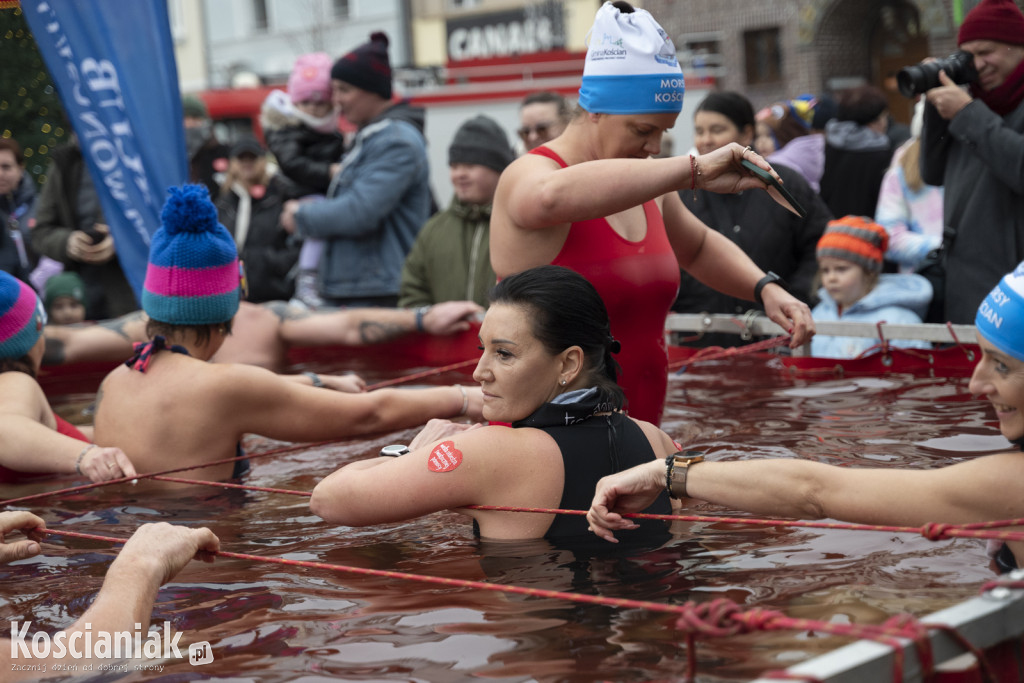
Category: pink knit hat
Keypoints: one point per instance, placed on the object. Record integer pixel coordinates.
(311, 78)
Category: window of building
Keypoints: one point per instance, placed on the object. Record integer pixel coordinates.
(463, 4)
(341, 9)
(763, 56)
(259, 14)
(700, 54)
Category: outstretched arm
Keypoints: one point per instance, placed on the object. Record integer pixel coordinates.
(152, 556)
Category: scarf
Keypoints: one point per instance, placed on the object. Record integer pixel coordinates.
(1005, 98)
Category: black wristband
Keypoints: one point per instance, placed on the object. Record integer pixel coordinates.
(768, 279)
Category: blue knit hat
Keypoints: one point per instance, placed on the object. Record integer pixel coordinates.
(631, 66)
(193, 273)
(1000, 317)
(21, 317)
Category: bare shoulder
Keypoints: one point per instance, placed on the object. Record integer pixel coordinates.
(660, 441)
(20, 394)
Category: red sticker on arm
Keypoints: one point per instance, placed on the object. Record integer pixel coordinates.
(444, 458)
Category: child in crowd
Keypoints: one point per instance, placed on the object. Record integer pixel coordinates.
(850, 254)
(64, 299)
(784, 137)
(301, 130)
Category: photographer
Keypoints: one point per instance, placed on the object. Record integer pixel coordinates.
(973, 145)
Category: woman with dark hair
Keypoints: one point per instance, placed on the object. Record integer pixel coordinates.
(548, 372)
(34, 439)
(775, 239)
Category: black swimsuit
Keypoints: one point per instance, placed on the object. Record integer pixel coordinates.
(140, 361)
(593, 445)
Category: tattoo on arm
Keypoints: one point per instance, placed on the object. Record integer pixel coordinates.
(372, 332)
(53, 353)
(117, 324)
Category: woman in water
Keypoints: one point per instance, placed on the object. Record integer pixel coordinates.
(977, 490)
(548, 373)
(34, 439)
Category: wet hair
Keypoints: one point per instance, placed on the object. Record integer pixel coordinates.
(22, 364)
(731, 105)
(862, 104)
(547, 97)
(567, 311)
(12, 145)
(202, 332)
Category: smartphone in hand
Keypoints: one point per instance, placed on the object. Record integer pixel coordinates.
(781, 195)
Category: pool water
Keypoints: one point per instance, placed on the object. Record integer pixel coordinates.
(275, 623)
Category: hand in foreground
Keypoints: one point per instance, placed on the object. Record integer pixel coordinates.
(631, 490)
(168, 548)
(948, 98)
(449, 317)
(104, 464)
(438, 429)
(789, 313)
(25, 522)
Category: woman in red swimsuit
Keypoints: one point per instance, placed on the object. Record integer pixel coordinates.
(34, 440)
(592, 200)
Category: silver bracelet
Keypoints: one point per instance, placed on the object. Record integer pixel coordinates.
(465, 400)
(78, 463)
(314, 378)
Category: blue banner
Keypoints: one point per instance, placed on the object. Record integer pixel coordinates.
(113, 64)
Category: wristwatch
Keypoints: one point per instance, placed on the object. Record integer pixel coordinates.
(677, 466)
(768, 279)
(394, 450)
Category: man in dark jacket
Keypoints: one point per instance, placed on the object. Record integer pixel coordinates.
(70, 228)
(973, 145)
(17, 211)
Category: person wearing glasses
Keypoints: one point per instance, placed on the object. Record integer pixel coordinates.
(542, 118)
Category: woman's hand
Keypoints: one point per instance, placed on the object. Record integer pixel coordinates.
(722, 170)
(789, 313)
(168, 548)
(350, 383)
(104, 464)
(631, 490)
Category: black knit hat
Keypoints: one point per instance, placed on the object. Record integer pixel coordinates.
(367, 67)
(480, 140)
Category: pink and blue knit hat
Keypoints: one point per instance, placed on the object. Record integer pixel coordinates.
(193, 273)
(21, 317)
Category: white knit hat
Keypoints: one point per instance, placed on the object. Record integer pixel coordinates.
(631, 65)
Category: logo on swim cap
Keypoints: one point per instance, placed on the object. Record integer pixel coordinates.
(1000, 317)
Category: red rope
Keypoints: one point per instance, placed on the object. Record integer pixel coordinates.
(717, 352)
(421, 375)
(718, 618)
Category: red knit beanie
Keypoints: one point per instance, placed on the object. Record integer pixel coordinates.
(367, 67)
(857, 239)
(998, 20)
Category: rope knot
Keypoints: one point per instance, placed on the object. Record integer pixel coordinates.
(935, 531)
(719, 617)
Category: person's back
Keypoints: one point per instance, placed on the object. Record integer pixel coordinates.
(850, 255)
(857, 153)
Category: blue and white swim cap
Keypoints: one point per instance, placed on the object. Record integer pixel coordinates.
(1000, 317)
(631, 66)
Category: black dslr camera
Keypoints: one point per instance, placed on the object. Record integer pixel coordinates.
(914, 80)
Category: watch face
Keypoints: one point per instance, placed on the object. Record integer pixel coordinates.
(395, 450)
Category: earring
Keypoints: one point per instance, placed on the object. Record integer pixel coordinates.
(563, 382)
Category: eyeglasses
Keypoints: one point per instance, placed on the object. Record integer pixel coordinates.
(541, 129)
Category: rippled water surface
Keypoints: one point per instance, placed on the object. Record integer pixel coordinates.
(275, 623)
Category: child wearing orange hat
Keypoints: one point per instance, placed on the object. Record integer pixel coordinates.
(850, 254)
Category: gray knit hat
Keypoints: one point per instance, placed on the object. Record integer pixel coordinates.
(480, 140)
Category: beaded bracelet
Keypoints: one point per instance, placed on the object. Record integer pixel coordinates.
(694, 172)
(314, 378)
(78, 463)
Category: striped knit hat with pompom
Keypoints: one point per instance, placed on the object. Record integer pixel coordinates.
(857, 239)
(21, 317)
(193, 273)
